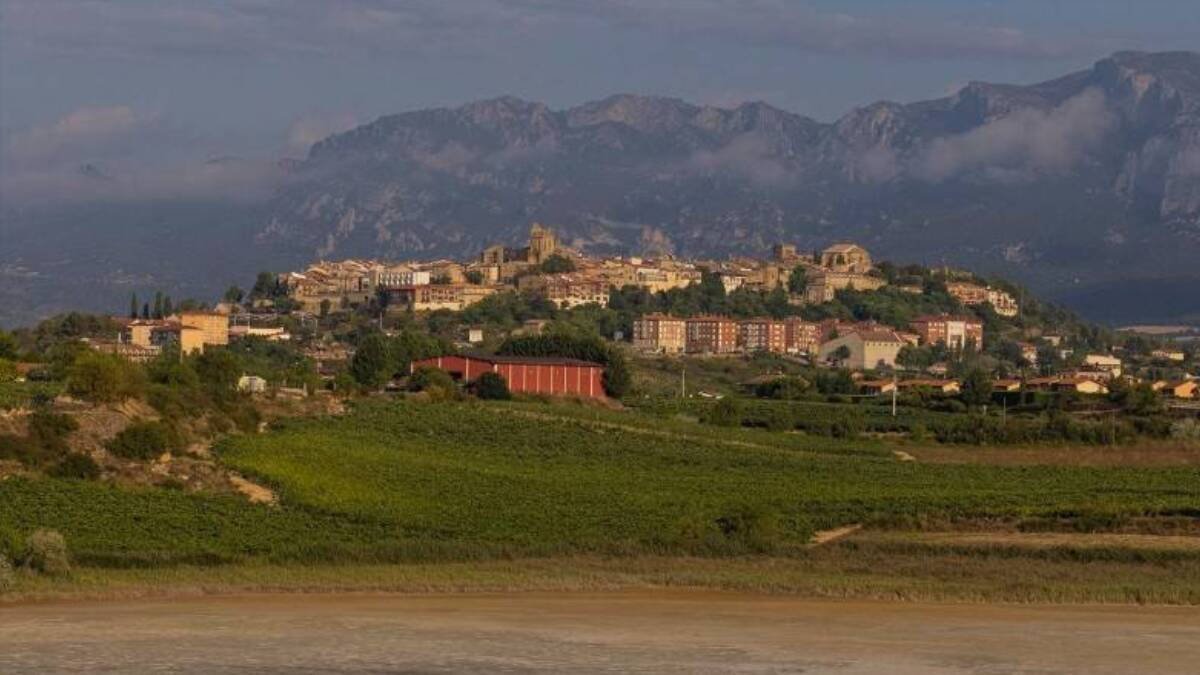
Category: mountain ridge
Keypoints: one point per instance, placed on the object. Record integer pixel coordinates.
(1123, 133)
(1085, 187)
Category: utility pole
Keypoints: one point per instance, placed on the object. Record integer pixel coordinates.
(894, 388)
(683, 381)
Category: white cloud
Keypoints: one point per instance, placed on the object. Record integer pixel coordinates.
(117, 153)
(96, 131)
(748, 155)
(1055, 140)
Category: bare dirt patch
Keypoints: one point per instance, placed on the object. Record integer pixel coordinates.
(829, 536)
(257, 494)
(641, 631)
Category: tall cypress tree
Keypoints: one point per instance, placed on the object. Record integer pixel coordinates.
(133, 305)
(158, 305)
(168, 308)
(145, 310)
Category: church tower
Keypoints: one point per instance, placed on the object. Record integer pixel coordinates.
(542, 243)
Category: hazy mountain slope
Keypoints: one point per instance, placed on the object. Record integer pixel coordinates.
(1081, 180)
(1086, 186)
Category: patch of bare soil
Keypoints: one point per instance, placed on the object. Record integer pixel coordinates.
(644, 631)
(829, 536)
(257, 494)
(1140, 454)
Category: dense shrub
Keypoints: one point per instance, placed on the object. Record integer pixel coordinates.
(8, 578)
(1187, 430)
(491, 386)
(12, 544)
(46, 552)
(751, 528)
(783, 388)
(726, 413)
(144, 441)
(433, 381)
(78, 466)
(103, 378)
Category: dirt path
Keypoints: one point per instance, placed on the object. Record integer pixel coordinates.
(257, 494)
(652, 632)
(828, 536)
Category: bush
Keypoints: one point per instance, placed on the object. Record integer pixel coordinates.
(783, 388)
(1186, 430)
(46, 552)
(492, 387)
(726, 413)
(12, 544)
(431, 380)
(102, 378)
(8, 578)
(77, 466)
(144, 441)
(751, 528)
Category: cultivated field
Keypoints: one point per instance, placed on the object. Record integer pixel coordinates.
(411, 495)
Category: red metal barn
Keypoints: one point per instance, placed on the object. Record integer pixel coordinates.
(550, 375)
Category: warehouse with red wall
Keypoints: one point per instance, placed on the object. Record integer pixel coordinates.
(550, 375)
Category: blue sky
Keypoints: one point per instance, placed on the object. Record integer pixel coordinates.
(198, 78)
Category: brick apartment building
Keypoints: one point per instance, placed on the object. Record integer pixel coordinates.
(956, 332)
(762, 335)
(660, 333)
(711, 335)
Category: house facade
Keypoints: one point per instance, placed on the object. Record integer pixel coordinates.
(660, 333)
(956, 332)
(867, 349)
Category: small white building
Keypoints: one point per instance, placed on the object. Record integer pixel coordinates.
(251, 384)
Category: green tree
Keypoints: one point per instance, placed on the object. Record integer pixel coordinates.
(102, 378)
(977, 387)
(9, 348)
(145, 310)
(168, 308)
(133, 305)
(798, 281)
(474, 276)
(158, 305)
(218, 370)
(557, 264)
(233, 295)
(372, 364)
(266, 286)
(841, 354)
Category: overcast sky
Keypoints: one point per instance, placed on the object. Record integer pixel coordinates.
(79, 78)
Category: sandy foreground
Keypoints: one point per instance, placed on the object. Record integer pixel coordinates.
(636, 631)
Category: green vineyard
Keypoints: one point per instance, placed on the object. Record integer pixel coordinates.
(395, 481)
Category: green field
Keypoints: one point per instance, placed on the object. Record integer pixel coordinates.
(401, 481)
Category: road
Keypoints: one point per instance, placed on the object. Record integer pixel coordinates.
(659, 632)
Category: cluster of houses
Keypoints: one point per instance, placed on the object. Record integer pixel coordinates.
(580, 279)
(451, 285)
(857, 345)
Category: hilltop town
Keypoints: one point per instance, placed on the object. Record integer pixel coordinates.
(895, 328)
